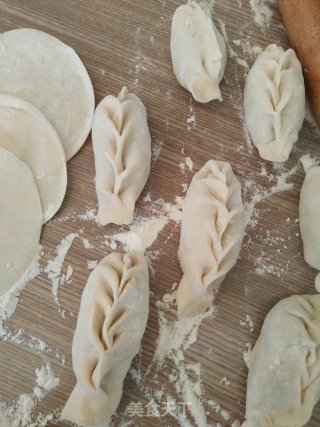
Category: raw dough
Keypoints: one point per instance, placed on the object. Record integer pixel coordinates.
(212, 230)
(20, 220)
(284, 373)
(274, 102)
(112, 319)
(122, 152)
(198, 51)
(28, 134)
(309, 215)
(41, 69)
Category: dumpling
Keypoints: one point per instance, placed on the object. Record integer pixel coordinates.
(309, 214)
(198, 51)
(111, 322)
(284, 373)
(122, 152)
(212, 230)
(274, 102)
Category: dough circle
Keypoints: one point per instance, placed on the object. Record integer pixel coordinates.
(44, 71)
(27, 133)
(20, 220)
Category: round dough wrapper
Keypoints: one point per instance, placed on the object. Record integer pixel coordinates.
(27, 133)
(44, 71)
(20, 220)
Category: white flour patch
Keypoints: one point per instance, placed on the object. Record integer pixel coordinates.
(261, 11)
(219, 410)
(141, 235)
(247, 354)
(89, 215)
(157, 145)
(224, 381)
(9, 301)
(86, 243)
(21, 338)
(247, 323)
(92, 264)
(145, 230)
(232, 52)
(20, 412)
(54, 267)
(175, 338)
(281, 186)
(189, 163)
(176, 335)
(247, 48)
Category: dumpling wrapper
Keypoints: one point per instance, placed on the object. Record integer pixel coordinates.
(284, 373)
(44, 71)
(20, 220)
(27, 133)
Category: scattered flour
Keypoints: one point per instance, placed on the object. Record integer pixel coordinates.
(247, 323)
(225, 381)
(9, 301)
(281, 186)
(247, 48)
(86, 243)
(144, 230)
(89, 215)
(46, 380)
(176, 334)
(189, 163)
(141, 235)
(232, 52)
(157, 145)
(54, 267)
(247, 354)
(20, 337)
(20, 413)
(92, 264)
(262, 12)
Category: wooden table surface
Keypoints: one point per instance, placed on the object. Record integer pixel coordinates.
(124, 42)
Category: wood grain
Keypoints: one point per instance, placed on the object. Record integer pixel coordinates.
(124, 42)
(303, 25)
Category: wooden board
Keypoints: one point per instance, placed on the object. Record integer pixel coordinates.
(124, 42)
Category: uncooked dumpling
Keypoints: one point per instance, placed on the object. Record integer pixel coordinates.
(198, 51)
(284, 373)
(309, 215)
(212, 230)
(28, 134)
(274, 102)
(20, 220)
(122, 153)
(112, 319)
(41, 69)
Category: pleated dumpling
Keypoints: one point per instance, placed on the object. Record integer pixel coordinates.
(212, 231)
(284, 373)
(309, 214)
(111, 322)
(274, 102)
(122, 151)
(198, 51)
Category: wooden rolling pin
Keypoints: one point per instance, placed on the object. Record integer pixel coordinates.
(302, 20)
